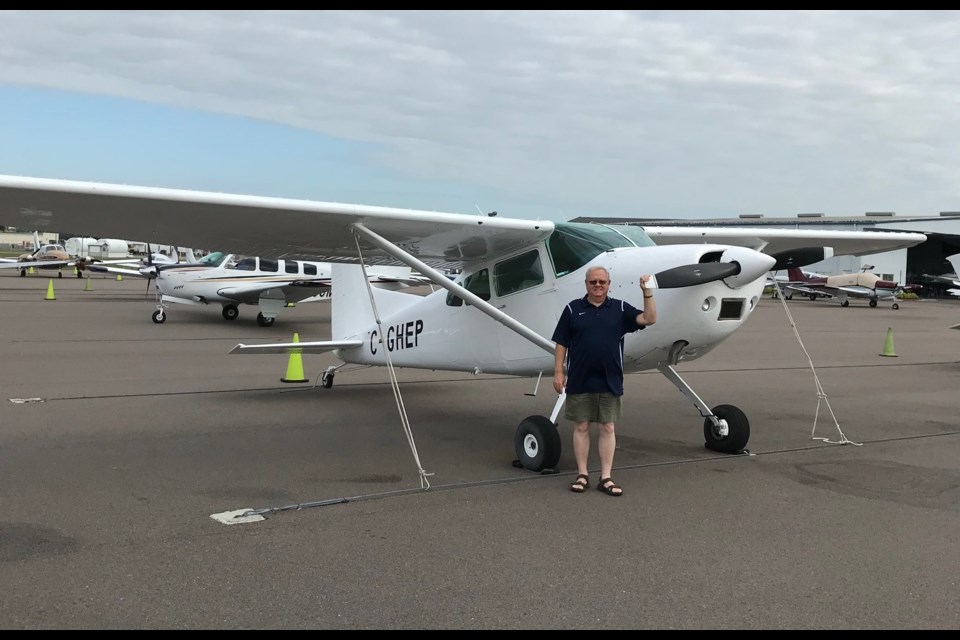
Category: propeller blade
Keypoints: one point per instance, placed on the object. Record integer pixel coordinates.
(689, 275)
(795, 258)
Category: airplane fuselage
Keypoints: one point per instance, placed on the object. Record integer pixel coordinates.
(435, 332)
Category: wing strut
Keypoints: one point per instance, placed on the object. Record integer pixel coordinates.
(448, 284)
(394, 383)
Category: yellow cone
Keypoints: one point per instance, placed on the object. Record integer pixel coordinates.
(119, 278)
(31, 271)
(87, 286)
(888, 345)
(50, 295)
(294, 364)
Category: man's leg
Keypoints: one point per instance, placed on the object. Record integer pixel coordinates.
(607, 444)
(581, 444)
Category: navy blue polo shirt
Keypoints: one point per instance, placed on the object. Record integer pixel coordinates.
(593, 337)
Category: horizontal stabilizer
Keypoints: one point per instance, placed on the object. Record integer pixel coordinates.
(796, 258)
(689, 275)
(322, 346)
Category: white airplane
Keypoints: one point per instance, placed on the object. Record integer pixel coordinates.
(516, 277)
(271, 285)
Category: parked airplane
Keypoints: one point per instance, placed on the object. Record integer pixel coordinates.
(518, 272)
(950, 280)
(865, 285)
(48, 256)
(269, 284)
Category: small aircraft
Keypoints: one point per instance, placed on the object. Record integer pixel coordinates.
(865, 285)
(50, 256)
(516, 276)
(271, 285)
(950, 280)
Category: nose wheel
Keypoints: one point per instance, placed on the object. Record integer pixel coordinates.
(159, 316)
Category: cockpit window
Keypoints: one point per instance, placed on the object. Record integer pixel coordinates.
(213, 259)
(574, 244)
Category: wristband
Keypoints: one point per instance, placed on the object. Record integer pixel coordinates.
(648, 296)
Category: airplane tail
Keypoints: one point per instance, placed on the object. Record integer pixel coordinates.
(796, 274)
(350, 309)
(191, 258)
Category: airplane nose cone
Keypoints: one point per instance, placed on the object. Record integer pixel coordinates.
(753, 265)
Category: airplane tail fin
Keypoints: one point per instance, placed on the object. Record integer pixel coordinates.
(191, 258)
(350, 309)
(796, 274)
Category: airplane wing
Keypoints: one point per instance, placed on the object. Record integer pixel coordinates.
(809, 291)
(253, 225)
(249, 293)
(322, 346)
(26, 264)
(771, 241)
(118, 269)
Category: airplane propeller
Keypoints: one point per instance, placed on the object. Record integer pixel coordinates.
(689, 275)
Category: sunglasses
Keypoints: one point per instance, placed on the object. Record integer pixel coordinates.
(595, 282)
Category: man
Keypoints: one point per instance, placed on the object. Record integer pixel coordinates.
(589, 365)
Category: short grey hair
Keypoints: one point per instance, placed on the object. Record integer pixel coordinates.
(596, 267)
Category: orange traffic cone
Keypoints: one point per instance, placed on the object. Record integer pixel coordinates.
(294, 364)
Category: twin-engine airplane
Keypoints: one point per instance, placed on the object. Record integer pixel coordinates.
(516, 277)
(864, 285)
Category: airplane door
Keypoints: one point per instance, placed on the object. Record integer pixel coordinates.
(522, 290)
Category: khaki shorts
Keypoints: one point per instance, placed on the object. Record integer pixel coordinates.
(593, 407)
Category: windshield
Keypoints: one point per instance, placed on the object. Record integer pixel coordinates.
(574, 244)
(213, 259)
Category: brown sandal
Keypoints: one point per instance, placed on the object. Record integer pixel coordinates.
(609, 487)
(581, 484)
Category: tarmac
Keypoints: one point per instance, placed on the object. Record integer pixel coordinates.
(120, 439)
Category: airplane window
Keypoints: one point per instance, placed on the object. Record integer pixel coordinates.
(572, 244)
(247, 264)
(269, 265)
(476, 283)
(310, 269)
(518, 273)
(291, 266)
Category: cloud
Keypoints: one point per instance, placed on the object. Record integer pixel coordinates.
(607, 112)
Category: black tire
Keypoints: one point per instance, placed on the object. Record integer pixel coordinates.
(23, 273)
(873, 303)
(845, 303)
(230, 312)
(895, 306)
(739, 430)
(158, 317)
(264, 322)
(537, 443)
(327, 380)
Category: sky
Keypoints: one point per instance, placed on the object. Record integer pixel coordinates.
(542, 114)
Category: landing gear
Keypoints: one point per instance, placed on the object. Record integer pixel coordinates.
(725, 427)
(159, 317)
(873, 303)
(537, 444)
(262, 321)
(59, 274)
(230, 312)
(844, 303)
(23, 273)
(895, 306)
(730, 432)
(327, 378)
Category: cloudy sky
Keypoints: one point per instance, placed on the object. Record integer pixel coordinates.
(534, 114)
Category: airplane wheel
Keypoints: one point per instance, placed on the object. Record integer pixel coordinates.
(812, 296)
(537, 443)
(738, 430)
(845, 303)
(327, 380)
(23, 273)
(789, 296)
(59, 274)
(895, 306)
(158, 317)
(264, 322)
(230, 312)
(873, 303)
